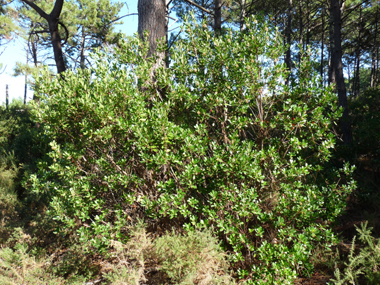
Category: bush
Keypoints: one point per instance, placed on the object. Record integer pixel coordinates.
(216, 139)
(194, 258)
(21, 146)
(365, 263)
(366, 121)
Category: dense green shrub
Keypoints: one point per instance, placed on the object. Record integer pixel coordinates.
(21, 145)
(216, 139)
(365, 111)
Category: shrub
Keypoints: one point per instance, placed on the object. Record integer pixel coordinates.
(194, 258)
(190, 258)
(216, 139)
(17, 266)
(365, 263)
(366, 121)
(21, 146)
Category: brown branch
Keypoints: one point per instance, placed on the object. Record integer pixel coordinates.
(39, 32)
(37, 9)
(57, 9)
(66, 32)
(199, 6)
(117, 19)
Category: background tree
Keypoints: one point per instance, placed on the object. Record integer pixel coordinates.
(152, 19)
(53, 23)
(337, 69)
(7, 21)
(83, 24)
(91, 25)
(8, 26)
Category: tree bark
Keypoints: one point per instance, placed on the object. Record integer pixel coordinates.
(53, 22)
(323, 43)
(242, 15)
(218, 17)
(152, 18)
(331, 75)
(374, 49)
(308, 23)
(337, 70)
(82, 49)
(301, 33)
(288, 60)
(26, 75)
(358, 47)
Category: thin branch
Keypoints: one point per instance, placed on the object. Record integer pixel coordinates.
(352, 9)
(117, 19)
(38, 9)
(39, 32)
(199, 6)
(66, 32)
(174, 29)
(175, 20)
(174, 39)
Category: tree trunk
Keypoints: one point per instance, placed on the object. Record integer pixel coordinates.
(301, 32)
(323, 43)
(377, 67)
(288, 60)
(337, 70)
(242, 15)
(53, 22)
(357, 72)
(152, 18)
(57, 46)
(308, 24)
(26, 74)
(373, 65)
(34, 53)
(218, 17)
(349, 77)
(82, 44)
(331, 74)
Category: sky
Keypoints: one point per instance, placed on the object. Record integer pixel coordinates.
(15, 51)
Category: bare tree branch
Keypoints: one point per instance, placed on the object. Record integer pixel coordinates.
(199, 6)
(117, 19)
(66, 31)
(37, 9)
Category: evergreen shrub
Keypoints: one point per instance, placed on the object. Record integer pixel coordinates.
(215, 139)
(363, 264)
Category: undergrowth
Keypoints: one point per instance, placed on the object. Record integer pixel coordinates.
(220, 162)
(363, 261)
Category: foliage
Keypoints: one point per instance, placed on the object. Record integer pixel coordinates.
(190, 258)
(7, 21)
(17, 267)
(131, 257)
(21, 143)
(366, 119)
(218, 139)
(366, 151)
(89, 24)
(365, 263)
(19, 264)
(8, 196)
(194, 258)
